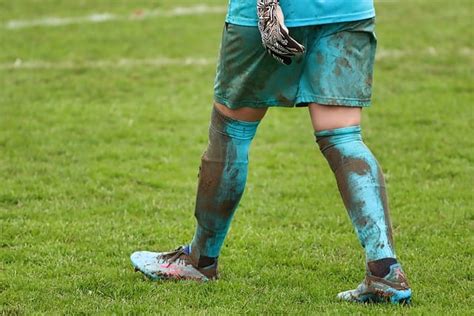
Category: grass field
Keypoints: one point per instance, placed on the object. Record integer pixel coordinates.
(102, 127)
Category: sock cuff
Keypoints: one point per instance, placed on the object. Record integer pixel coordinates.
(355, 129)
(233, 128)
(332, 137)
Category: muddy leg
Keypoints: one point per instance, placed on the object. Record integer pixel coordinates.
(222, 178)
(360, 181)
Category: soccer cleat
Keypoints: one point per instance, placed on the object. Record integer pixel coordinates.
(393, 288)
(173, 265)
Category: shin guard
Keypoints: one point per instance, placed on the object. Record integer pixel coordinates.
(362, 187)
(222, 178)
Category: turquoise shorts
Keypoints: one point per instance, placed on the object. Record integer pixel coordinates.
(336, 69)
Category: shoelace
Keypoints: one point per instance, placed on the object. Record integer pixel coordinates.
(175, 257)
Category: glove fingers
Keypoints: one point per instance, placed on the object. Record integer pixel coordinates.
(281, 46)
(278, 48)
(281, 58)
(283, 43)
(295, 47)
(291, 44)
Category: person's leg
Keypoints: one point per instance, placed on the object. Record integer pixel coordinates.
(361, 184)
(359, 178)
(222, 178)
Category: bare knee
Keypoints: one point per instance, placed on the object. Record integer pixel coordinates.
(324, 117)
(242, 114)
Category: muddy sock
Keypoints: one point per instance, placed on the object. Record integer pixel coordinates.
(203, 261)
(362, 187)
(381, 268)
(222, 178)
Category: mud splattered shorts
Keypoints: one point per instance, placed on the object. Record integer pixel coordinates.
(336, 69)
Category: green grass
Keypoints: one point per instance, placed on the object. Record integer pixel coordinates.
(97, 163)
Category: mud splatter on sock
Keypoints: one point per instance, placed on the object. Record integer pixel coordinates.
(222, 179)
(381, 268)
(362, 187)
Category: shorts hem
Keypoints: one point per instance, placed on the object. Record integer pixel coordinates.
(258, 104)
(338, 101)
(300, 101)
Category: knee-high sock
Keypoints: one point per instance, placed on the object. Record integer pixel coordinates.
(222, 178)
(362, 187)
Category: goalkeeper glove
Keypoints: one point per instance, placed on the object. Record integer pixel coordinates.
(275, 36)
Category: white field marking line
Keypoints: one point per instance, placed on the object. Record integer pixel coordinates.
(382, 54)
(120, 63)
(105, 17)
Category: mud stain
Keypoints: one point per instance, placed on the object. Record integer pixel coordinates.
(210, 197)
(343, 62)
(342, 167)
(386, 208)
(320, 58)
(220, 186)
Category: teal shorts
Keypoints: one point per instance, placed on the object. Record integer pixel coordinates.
(337, 68)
